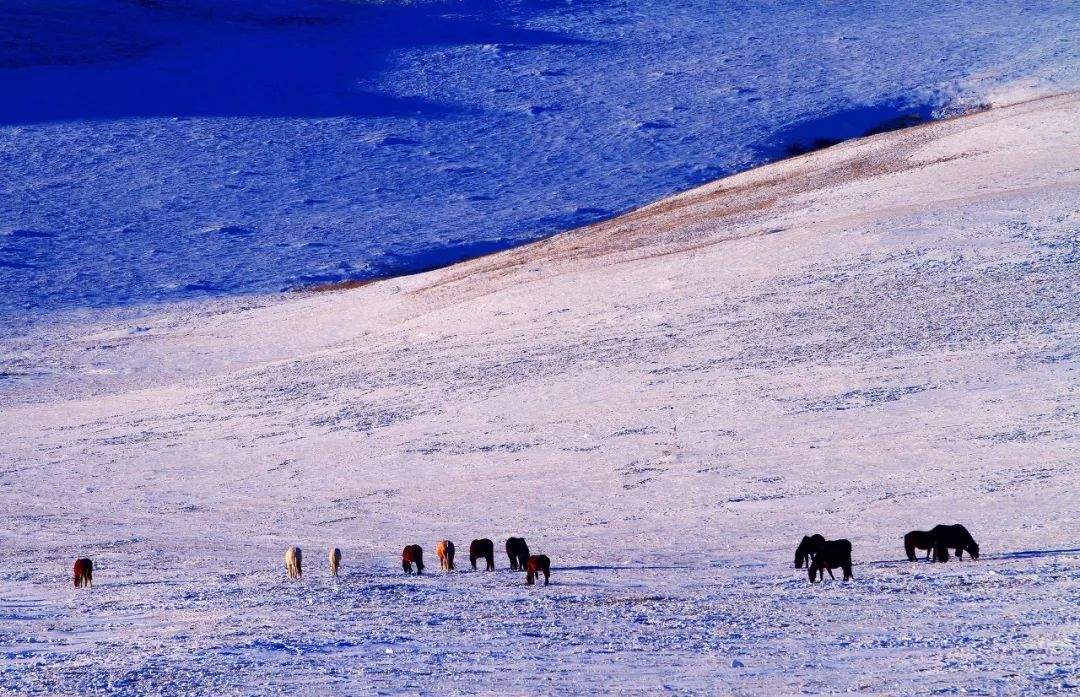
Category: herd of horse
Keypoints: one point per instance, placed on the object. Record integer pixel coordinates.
(819, 555)
(412, 559)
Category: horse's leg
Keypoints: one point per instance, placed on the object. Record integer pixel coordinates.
(547, 576)
(847, 572)
(959, 554)
(830, 574)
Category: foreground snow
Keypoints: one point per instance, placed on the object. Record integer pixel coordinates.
(873, 338)
(1003, 625)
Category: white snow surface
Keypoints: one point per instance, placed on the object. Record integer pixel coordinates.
(872, 338)
(159, 150)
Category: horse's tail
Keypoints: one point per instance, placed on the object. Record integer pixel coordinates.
(909, 546)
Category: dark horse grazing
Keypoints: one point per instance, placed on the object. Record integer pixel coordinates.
(808, 549)
(955, 537)
(536, 564)
(413, 554)
(918, 539)
(482, 549)
(832, 554)
(518, 552)
(83, 573)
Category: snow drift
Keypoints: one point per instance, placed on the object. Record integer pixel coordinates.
(353, 140)
(865, 340)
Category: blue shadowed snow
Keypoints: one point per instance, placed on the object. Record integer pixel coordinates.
(830, 129)
(164, 149)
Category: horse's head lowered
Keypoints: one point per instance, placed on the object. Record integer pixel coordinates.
(810, 545)
(801, 553)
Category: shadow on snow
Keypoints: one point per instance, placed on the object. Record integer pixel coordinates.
(109, 59)
(855, 122)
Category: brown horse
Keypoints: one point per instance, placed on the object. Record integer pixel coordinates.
(536, 564)
(518, 551)
(294, 563)
(918, 539)
(413, 554)
(83, 573)
(955, 537)
(444, 550)
(833, 554)
(482, 549)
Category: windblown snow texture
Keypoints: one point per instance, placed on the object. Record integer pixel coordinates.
(169, 149)
(874, 338)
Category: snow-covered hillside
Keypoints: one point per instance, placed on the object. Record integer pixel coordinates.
(868, 339)
(169, 149)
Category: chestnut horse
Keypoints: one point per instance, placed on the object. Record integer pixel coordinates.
(444, 550)
(294, 563)
(83, 573)
(413, 554)
(536, 564)
(482, 549)
(335, 561)
(808, 549)
(919, 539)
(955, 537)
(518, 552)
(832, 554)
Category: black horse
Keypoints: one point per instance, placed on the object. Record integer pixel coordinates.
(919, 539)
(832, 554)
(955, 537)
(482, 549)
(518, 552)
(808, 549)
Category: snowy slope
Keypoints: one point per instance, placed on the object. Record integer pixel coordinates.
(154, 151)
(868, 339)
